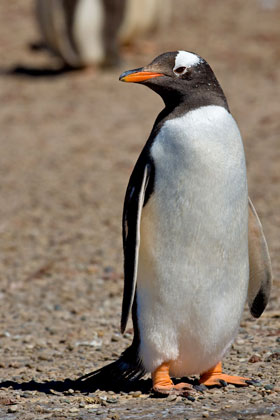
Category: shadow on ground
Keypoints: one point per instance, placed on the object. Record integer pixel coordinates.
(91, 383)
(26, 71)
(85, 386)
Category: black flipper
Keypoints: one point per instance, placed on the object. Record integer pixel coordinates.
(260, 266)
(134, 202)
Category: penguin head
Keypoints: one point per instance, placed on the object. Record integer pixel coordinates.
(175, 76)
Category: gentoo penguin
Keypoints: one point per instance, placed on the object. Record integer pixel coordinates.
(81, 32)
(142, 17)
(90, 32)
(194, 248)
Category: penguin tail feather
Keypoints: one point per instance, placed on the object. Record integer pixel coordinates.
(116, 376)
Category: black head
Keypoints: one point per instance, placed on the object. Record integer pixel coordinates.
(179, 76)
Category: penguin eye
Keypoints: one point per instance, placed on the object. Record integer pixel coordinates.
(180, 70)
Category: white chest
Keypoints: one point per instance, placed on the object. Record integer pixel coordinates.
(195, 223)
(200, 149)
(200, 175)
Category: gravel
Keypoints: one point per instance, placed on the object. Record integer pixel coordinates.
(68, 145)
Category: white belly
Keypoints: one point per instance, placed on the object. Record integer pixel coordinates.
(88, 31)
(193, 261)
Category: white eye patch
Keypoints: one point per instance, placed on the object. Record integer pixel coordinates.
(183, 61)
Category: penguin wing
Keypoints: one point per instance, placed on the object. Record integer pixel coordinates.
(260, 266)
(133, 204)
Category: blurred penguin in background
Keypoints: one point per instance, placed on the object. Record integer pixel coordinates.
(143, 16)
(89, 32)
(81, 32)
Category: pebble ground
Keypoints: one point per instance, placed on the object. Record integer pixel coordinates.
(68, 145)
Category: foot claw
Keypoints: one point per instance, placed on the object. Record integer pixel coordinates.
(223, 383)
(200, 388)
(253, 382)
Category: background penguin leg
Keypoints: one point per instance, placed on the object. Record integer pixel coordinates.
(162, 383)
(215, 376)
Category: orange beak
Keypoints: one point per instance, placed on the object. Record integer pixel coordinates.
(138, 75)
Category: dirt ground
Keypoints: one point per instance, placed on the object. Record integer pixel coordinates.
(68, 145)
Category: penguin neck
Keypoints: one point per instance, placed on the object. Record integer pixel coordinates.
(176, 107)
(179, 102)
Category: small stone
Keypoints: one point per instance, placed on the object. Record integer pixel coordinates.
(205, 414)
(12, 409)
(115, 338)
(70, 347)
(73, 410)
(190, 398)
(171, 397)
(45, 357)
(136, 394)
(58, 410)
(26, 394)
(14, 365)
(213, 410)
(93, 400)
(54, 392)
(269, 387)
(7, 401)
(112, 400)
(38, 408)
(273, 356)
(254, 358)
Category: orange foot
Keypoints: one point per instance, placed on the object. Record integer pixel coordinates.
(163, 385)
(216, 377)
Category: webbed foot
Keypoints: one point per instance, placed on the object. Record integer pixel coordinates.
(216, 377)
(163, 385)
